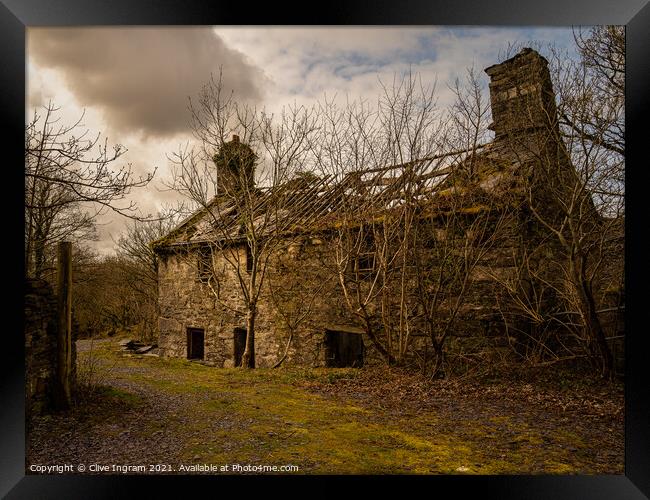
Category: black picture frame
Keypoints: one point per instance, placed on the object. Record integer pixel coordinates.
(16, 15)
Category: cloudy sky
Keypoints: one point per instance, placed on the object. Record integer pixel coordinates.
(134, 83)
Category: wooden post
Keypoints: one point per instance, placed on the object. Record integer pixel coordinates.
(62, 393)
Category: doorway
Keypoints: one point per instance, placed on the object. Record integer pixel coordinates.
(195, 343)
(343, 349)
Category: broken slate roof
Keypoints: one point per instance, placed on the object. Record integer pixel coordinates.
(312, 203)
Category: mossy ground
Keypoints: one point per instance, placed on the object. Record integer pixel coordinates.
(276, 417)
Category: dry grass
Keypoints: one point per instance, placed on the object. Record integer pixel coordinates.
(330, 421)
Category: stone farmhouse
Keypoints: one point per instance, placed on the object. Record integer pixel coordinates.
(302, 318)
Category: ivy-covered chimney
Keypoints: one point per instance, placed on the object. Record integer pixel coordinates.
(235, 164)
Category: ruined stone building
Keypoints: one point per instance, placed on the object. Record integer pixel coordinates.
(199, 288)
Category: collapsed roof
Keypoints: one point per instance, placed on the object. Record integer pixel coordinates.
(310, 203)
(522, 104)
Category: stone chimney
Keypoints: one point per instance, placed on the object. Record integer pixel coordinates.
(522, 97)
(235, 164)
(526, 127)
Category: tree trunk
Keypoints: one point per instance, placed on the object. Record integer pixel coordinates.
(597, 335)
(248, 357)
(375, 342)
(438, 358)
(593, 324)
(286, 351)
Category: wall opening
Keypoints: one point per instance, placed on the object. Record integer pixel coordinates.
(343, 349)
(195, 343)
(239, 338)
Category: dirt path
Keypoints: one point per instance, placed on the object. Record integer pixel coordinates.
(175, 412)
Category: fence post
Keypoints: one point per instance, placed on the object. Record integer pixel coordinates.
(62, 393)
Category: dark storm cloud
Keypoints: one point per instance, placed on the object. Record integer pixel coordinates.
(141, 77)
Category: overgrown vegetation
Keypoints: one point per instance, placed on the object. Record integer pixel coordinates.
(347, 421)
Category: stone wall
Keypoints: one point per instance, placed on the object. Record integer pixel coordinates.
(301, 298)
(305, 297)
(215, 307)
(41, 346)
(293, 285)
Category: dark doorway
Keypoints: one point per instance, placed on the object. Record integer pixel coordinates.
(195, 343)
(343, 349)
(240, 346)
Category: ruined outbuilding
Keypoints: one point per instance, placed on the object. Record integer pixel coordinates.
(195, 325)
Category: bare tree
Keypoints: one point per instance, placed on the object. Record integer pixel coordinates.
(391, 164)
(247, 198)
(141, 265)
(575, 194)
(103, 301)
(295, 286)
(461, 221)
(596, 112)
(68, 182)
